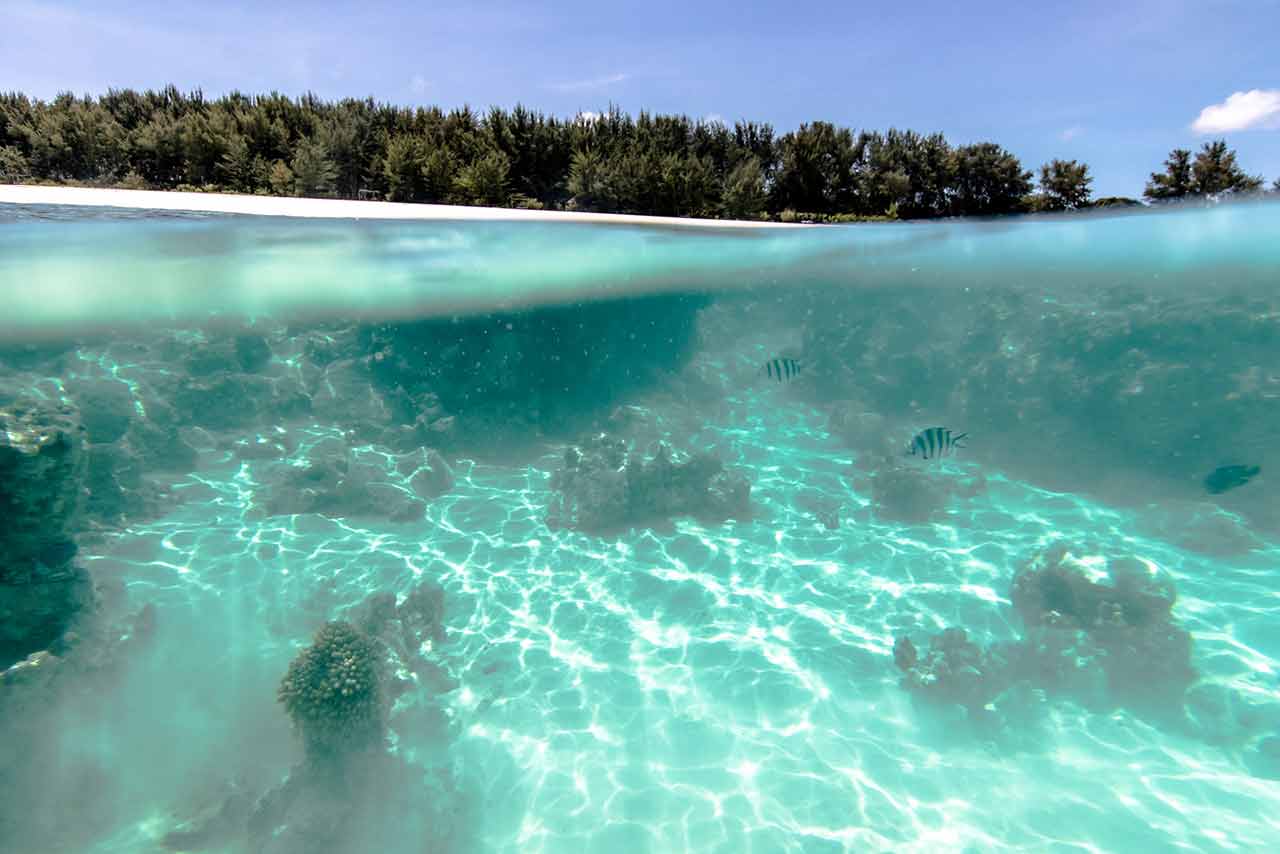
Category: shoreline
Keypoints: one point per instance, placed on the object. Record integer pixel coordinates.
(286, 206)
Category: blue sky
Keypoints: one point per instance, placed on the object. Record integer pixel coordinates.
(1116, 84)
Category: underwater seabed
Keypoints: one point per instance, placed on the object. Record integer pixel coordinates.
(694, 688)
(726, 685)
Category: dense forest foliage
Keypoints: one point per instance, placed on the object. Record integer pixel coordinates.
(651, 164)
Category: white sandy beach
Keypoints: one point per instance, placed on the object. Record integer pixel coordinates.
(333, 208)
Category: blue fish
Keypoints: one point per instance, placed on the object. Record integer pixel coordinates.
(1225, 478)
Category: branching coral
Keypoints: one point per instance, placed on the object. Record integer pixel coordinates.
(333, 692)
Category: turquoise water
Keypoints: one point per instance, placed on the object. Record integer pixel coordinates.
(673, 685)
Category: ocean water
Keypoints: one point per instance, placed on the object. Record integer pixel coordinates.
(682, 681)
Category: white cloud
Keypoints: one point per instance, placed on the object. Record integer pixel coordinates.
(1257, 108)
(713, 119)
(1071, 133)
(588, 116)
(419, 84)
(593, 83)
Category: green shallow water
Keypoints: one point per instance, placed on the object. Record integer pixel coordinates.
(690, 687)
(123, 268)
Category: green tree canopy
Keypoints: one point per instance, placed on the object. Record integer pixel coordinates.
(484, 181)
(815, 169)
(13, 165)
(647, 163)
(1175, 181)
(313, 172)
(986, 179)
(1215, 171)
(402, 168)
(1065, 185)
(745, 195)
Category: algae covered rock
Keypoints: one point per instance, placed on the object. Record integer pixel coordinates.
(42, 472)
(604, 485)
(106, 405)
(42, 469)
(952, 669)
(338, 482)
(428, 472)
(1124, 629)
(333, 693)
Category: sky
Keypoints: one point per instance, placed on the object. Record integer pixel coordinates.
(1115, 84)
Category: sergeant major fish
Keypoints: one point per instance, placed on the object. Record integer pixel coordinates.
(781, 369)
(935, 442)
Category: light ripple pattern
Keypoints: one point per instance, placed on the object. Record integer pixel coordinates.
(731, 688)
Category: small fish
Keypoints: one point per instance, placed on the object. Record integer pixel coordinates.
(1225, 478)
(935, 442)
(781, 369)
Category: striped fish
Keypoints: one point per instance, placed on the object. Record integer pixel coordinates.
(935, 442)
(782, 369)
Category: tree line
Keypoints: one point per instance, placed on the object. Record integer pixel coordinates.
(665, 165)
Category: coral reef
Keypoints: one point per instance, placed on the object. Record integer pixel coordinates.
(1101, 645)
(975, 686)
(43, 463)
(604, 485)
(1145, 385)
(953, 669)
(428, 473)
(1125, 628)
(907, 492)
(338, 481)
(412, 634)
(348, 794)
(333, 692)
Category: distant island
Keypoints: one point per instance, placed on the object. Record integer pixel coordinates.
(657, 165)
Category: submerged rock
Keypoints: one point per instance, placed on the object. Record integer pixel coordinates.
(1100, 645)
(1152, 388)
(338, 482)
(1126, 627)
(428, 472)
(952, 669)
(106, 406)
(252, 352)
(604, 485)
(912, 493)
(43, 464)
